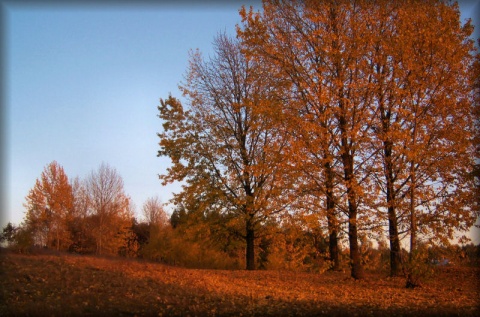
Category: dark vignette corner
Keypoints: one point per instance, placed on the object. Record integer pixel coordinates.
(3, 111)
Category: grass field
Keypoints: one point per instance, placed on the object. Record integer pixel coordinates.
(64, 284)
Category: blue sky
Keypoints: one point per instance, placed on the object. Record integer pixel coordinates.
(83, 86)
(83, 82)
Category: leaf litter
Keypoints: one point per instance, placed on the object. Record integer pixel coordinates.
(72, 285)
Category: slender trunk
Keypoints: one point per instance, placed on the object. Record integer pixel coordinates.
(413, 181)
(386, 115)
(99, 242)
(355, 258)
(411, 283)
(250, 254)
(331, 219)
(395, 260)
(333, 243)
(347, 155)
(411, 279)
(349, 178)
(413, 220)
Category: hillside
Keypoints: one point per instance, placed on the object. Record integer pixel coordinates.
(63, 285)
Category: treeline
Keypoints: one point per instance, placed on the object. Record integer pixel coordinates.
(354, 119)
(91, 215)
(95, 216)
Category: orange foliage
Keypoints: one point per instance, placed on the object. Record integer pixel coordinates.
(49, 206)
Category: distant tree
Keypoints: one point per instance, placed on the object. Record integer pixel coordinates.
(154, 212)
(79, 225)
(156, 218)
(178, 217)
(141, 231)
(8, 234)
(132, 243)
(110, 210)
(49, 205)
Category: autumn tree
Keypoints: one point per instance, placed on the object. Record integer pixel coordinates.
(439, 102)
(223, 145)
(282, 40)
(154, 212)
(321, 48)
(156, 218)
(79, 226)
(109, 209)
(49, 205)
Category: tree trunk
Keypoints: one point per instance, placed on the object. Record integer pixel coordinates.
(395, 260)
(355, 258)
(331, 219)
(411, 279)
(413, 220)
(349, 179)
(250, 254)
(333, 246)
(386, 116)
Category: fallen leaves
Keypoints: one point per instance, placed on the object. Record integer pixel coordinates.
(72, 285)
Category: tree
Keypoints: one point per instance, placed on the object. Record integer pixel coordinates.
(110, 212)
(79, 226)
(288, 46)
(156, 218)
(439, 104)
(49, 205)
(225, 148)
(154, 212)
(8, 234)
(141, 232)
(178, 217)
(320, 47)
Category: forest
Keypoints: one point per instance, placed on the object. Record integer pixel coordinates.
(334, 136)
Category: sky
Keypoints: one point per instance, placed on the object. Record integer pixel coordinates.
(81, 85)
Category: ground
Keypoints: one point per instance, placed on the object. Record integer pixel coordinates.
(65, 284)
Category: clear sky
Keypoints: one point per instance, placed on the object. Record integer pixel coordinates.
(82, 84)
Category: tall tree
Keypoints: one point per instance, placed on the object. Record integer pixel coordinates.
(288, 49)
(388, 126)
(109, 209)
(224, 146)
(321, 48)
(49, 205)
(439, 104)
